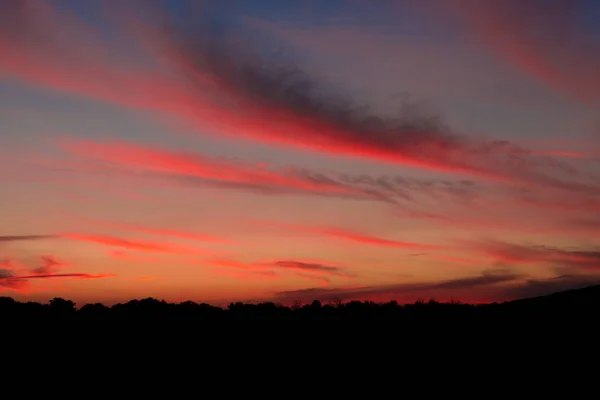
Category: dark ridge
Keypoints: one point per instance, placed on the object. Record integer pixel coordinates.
(578, 305)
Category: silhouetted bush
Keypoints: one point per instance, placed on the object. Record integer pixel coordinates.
(581, 304)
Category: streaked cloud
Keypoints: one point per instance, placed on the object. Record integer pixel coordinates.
(400, 290)
(511, 253)
(234, 91)
(547, 40)
(207, 170)
(4, 239)
(135, 245)
(50, 265)
(303, 269)
(211, 127)
(345, 235)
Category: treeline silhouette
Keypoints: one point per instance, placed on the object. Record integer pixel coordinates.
(579, 304)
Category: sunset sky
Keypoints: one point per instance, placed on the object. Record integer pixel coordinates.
(274, 150)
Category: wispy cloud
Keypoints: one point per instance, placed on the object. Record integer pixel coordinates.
(135, 245)
(210, 170)
(400, 290)
(511, 253)
(541, 287)
(246, 276)
(322, 280)
(371, 240)
(299, 268)
(488, 287)
(280, 103)
(189, 168)
(308, 267)
(175, 233)
(78, 276)
(57, 49)
(4, 239)
(222, 83)
(125, 256)
(547, 40)
(345, 235)
(50, 265)
(9, 280)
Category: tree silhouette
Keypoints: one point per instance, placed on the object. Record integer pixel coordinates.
(62, 306)
(579, 305)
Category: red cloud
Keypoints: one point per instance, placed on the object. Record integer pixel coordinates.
(461, 260)
(194, 165)
(24, 238)
(298, 267)
(151, 230)
(175, 233)
(544, 39)
(569, 154)
(371, 240)
(522, 221)
(134, 245)
(349, 236)
(21, 282)
(232, 94)
(78, 276)
(529, 254)
(50, 265)
(319, 279)
(122, 255)
(247, 275)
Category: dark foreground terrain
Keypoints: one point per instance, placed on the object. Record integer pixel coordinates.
(579, 305)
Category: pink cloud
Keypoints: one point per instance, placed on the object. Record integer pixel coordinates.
(12, 281)
(346, 235)
(50, 265)
(246, 276)
(135, 245)
(527, 254)
(294, 266)
(259, 104)
(545, 40)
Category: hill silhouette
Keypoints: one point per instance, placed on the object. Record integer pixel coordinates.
(571, 305)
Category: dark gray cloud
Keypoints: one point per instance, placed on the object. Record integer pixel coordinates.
(12, 281)
(417, 290)
(257, 84)
(9, 280)
(19, 238)
(493, 285)
(310, 267)
(6, 273)
(265, 95)
(548, 40)
(517, 253)
(49, 266)
(305, 265)
(411, 189)
(387, 189)
(590, 224)
(50, 276)
(354, 193)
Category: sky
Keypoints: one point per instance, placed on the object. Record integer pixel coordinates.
(222, 151)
